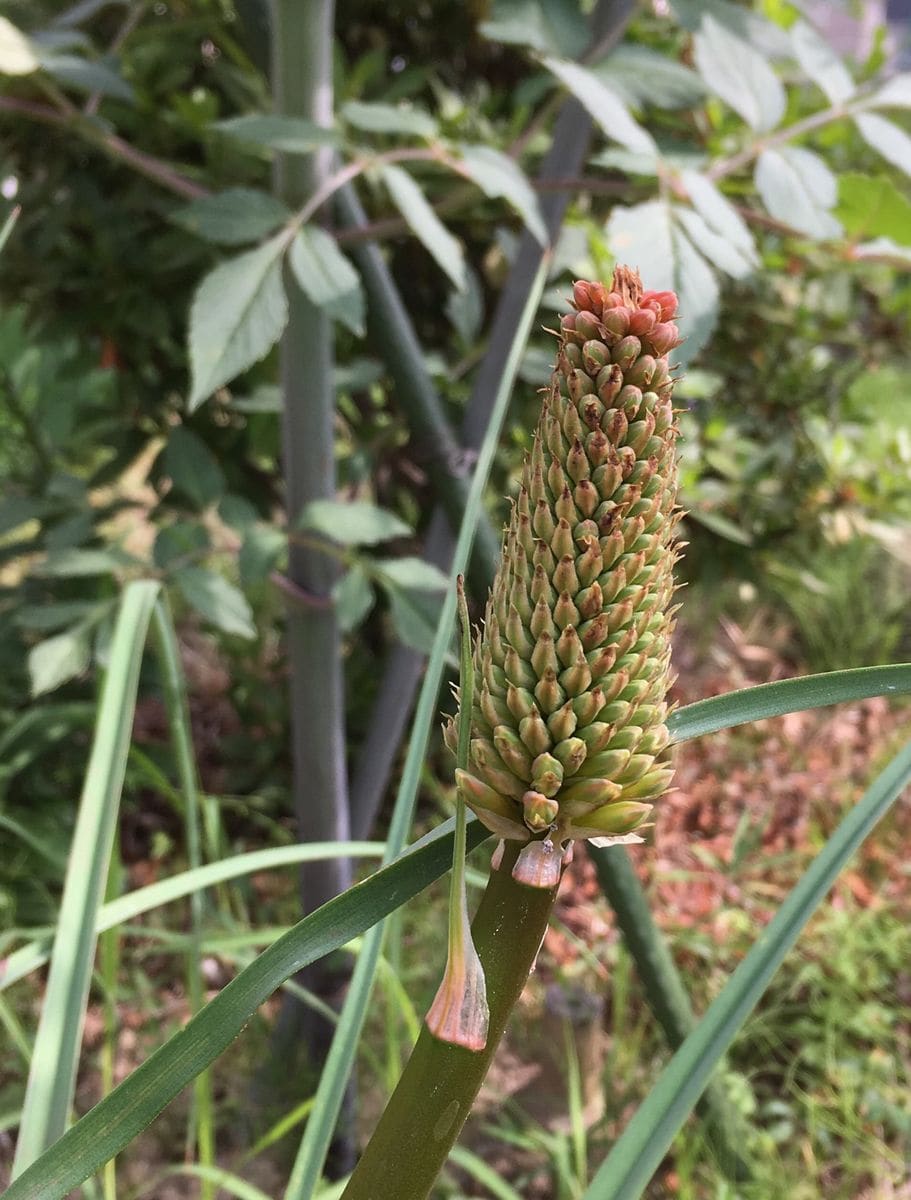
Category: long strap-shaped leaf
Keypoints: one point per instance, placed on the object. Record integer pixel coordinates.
(34, 954)
(788, 695)
(318, 1133)
(637, 1155)
(110, 1125)
(52, 1077)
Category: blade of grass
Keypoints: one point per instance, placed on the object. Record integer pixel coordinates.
(788, 695)
(15, 1032)
(636, 1156)
(110, 1125)
(51, 1080)
(165, 891)
(318, 1133)
(109, 969)
(485, 1175)
(201, 1125)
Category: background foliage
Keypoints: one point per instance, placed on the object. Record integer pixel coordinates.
(740, 156)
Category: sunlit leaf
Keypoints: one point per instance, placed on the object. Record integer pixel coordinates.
(887, 139)
(17, 55)
(734, 70)
(798, 189)
(58, 659)
(605, 106)
(821, 63)
(871, 206)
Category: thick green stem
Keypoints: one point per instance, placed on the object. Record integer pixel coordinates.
(440, 1082)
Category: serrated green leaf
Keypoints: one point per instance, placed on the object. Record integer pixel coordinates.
(239, 312)
(821, 64)
(58, 659)
(887, 139)
(389, 118)
(232, 217)
(87, 76)
(739, 74)
(425, 224)
(720, 214)
(541, 24)
(413, 572)
(644, 76)
(717, 249)
(498, 176)
(645, 235)
(17, 55)
(353, 596)
(216, 600)
(327, 278)
(415, 613)
(261, 551)
(193, 469)
(352, 522)
(605, 106)
(178, 541)
(79, 563)
(291, 135)
(797, 188)
(872, 206)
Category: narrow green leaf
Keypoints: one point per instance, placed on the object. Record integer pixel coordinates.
(17, 55)
(238, 314)
(291, 135)
(232, 217)
(389, 118)
(353, 597)
(52, 1076)
(483, 1173)
(327, 278)
(217, 600)
(110, 1125)
(86, 75)
(797, 188)
(411, 572)
(739, 74)
(636, 1156)
(645, 76)
(194, 470)
(425, 224)
(559, 24)
(788, 695)
(887, 139)
(821, 63)
(352, 522)
(498, 176)
(58, 659)
(126, 908)
(604, 105)
(77, 563)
